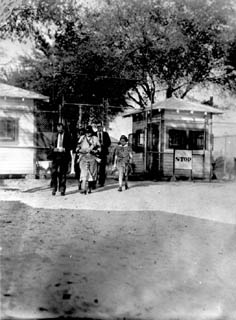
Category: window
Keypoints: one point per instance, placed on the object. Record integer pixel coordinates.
(136, 140)
(177, 139)
(186, 139)
(196, 140)
(8, 129)
(140, 138)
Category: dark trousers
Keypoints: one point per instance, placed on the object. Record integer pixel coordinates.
(102, 170)
(59, 171)
(77, 171)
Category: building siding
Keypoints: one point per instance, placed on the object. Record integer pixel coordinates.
(138, 159)
(17, 161)
(18, 157)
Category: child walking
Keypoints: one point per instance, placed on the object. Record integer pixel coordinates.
(123, 156)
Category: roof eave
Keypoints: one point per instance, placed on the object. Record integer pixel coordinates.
(174, 109)
(44, 98)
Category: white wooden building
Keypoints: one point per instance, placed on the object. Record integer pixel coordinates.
(17, 130)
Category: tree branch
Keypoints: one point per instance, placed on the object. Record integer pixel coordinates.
(140, 102)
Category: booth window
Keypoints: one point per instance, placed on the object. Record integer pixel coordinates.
(186, 139)
(140, 138)
(177, 139)
(136, 140)
(196, 140)
(8, 129)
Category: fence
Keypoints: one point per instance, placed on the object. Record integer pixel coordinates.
(224, 157)
(224, 147)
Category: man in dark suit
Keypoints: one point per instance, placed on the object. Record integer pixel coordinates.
(60, 155)
(105, 142)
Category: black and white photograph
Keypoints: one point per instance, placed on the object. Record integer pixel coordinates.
(118, 159)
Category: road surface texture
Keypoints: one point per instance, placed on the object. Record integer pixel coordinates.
(160, 251)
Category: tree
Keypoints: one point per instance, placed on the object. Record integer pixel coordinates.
(171, 45)
(65, 63)
(229, 81)
(125, 49)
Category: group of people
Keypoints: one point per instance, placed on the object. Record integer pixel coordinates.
(89, 152)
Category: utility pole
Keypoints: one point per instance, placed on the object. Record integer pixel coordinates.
(105, 119)
(145, 140)
(80, 115)
(61, 106)
(59, 113)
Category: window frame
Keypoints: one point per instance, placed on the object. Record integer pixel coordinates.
(184, 143)
(194, 146)
(12, 133)
(135, 139)
(140, 138)
(189, 144)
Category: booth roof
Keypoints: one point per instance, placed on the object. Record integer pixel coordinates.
(9, 91)
(179, 104)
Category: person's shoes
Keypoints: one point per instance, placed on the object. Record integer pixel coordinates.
(53, 193)
(62, 193)
(120, 189)
(83, 192)
(101, 185)
(126, 187)
(89, 191)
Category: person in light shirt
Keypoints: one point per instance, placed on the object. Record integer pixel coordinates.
(122, 160)
(60, 155)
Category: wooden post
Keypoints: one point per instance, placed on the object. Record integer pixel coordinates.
(162, 148)
(106, 116)
(225, 150)
(59, 113)
(60, 109)
(173, 176)
(151, 140)
(191, 171)
(35, 140)
(80, 116)
(211, 147)
(204, 147)
(145, 140)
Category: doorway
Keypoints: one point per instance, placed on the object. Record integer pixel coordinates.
(153, 155)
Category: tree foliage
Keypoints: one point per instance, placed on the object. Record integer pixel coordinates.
(126, 49)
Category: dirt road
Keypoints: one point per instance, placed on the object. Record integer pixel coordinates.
(119, 257)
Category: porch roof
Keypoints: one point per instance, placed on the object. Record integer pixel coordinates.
(180, 105)
(9, 91)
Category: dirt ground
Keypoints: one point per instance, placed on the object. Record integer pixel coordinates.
(156, 251)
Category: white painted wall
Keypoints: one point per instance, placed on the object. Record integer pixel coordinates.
(17, 157)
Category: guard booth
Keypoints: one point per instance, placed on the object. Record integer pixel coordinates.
(173, 139)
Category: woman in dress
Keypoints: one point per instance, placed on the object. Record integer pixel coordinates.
(88, 149)
(123, 157)
(80, 132)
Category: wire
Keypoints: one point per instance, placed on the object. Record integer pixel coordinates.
(94, 105)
